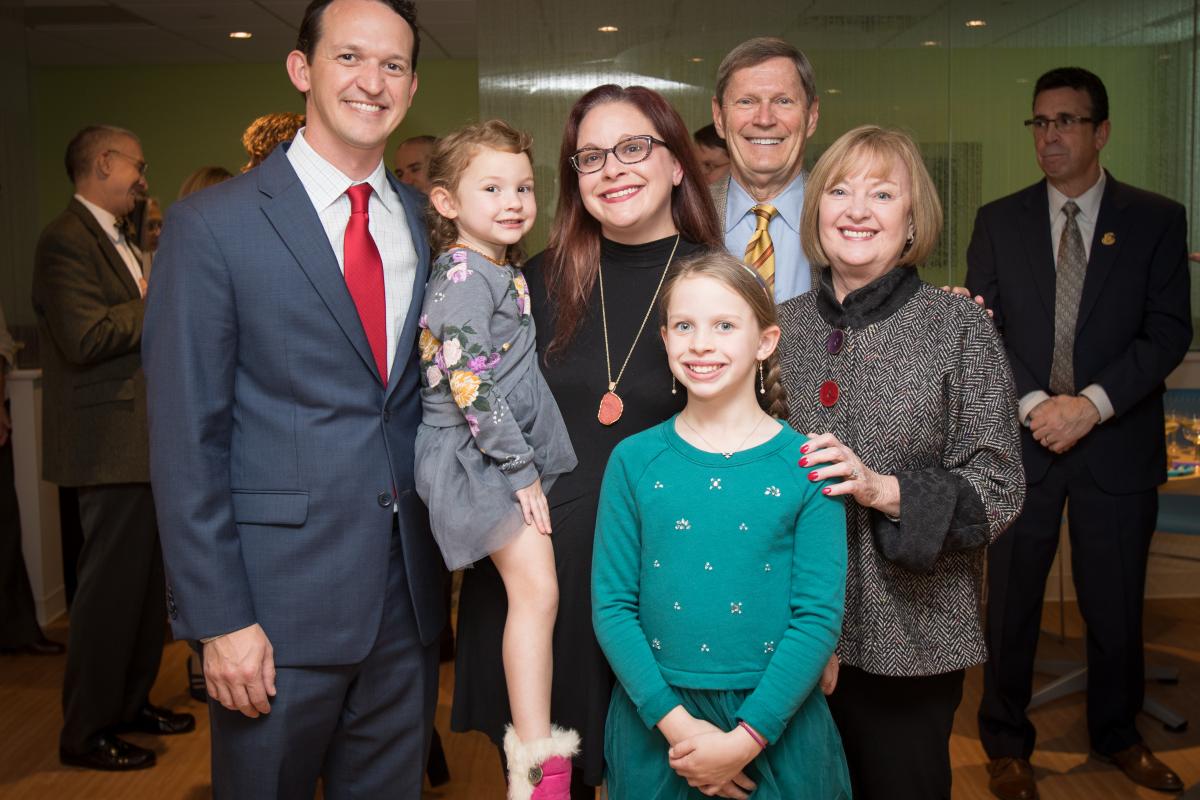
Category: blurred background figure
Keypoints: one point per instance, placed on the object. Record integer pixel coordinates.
(412, 161)
(265, 134)
(19, 629)
(202, 179)
(712, 153)
(148, 233)
(88, 291)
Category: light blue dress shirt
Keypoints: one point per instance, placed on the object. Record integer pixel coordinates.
(792, 273)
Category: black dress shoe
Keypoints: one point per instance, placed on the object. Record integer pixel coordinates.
(111, 754)
(1012, 779)
(159, 722)
(39, 647)
(436, 767)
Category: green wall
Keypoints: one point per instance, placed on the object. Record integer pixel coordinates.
(192, 116)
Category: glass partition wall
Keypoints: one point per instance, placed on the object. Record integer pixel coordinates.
(957, 75)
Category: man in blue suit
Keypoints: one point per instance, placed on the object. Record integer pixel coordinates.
(283, 390)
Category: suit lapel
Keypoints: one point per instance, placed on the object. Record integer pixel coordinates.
(1107, 240)
(1040, 251)
(720, 195)
(115, 262)
(291, 212)
(415, 216)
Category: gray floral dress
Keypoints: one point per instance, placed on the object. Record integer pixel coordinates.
(489, 424)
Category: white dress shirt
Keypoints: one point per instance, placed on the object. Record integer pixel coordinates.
(1089, 212)
(124, 248)
(326, 186)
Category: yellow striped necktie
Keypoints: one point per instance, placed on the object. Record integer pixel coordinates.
(760, 252)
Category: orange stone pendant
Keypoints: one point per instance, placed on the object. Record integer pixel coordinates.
(611, 408)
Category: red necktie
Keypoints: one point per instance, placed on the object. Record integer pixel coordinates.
(364, 275)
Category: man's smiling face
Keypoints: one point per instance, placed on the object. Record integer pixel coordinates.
(765, 119)
(359, 81)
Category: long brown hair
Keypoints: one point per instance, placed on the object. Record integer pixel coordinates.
(573, 252)
(452, 155)
(745, 283)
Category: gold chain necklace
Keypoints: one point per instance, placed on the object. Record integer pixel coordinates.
(479, 252)
(611, 405)
(730, 453)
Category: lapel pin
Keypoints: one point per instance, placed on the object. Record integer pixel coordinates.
(1108, 238)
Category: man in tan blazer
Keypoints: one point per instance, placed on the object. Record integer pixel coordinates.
(87, 293)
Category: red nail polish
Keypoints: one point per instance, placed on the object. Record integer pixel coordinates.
(826, 490)
(804, 462)
(812, 476)
(804, 449)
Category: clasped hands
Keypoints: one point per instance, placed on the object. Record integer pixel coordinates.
(1061, 421)
(708, 758)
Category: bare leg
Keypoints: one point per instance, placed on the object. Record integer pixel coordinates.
(526, 566)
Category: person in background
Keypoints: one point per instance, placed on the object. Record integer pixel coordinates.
(19, 629)
(1088, 279)
(712, 153)
(412, 161)
(88, 287)
(908, 394)
(766, 108)
(268, 132)
(202, 178)
(151, 229)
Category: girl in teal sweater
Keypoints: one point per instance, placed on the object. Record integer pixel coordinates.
(719, 570)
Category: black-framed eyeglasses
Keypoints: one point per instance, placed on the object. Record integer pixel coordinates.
(139, 163)
(627, 151)
(1063, 122)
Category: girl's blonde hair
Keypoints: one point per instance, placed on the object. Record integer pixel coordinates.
(745, 283)
(879, 149)
(451, 157)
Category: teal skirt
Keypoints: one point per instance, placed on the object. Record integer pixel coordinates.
(807, 763)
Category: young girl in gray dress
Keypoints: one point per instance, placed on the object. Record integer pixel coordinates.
(492, 440)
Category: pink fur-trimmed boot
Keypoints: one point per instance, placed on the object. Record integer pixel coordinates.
(540, 769)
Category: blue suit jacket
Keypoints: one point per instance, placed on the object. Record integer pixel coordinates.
(275, 451)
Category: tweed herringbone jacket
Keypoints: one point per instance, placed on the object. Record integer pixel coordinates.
(925, 394)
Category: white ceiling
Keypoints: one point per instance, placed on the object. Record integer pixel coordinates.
(197, 31)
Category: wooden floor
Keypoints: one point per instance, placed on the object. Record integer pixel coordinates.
(30, 718)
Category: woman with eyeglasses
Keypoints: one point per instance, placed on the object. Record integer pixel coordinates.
(631, 203)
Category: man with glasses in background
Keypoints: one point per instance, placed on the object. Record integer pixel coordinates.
(88, 291)
(1088, 280)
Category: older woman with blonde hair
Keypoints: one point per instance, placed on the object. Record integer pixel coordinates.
(908, 393)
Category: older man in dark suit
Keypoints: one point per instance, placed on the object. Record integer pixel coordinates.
(87, 294)
(1088, 280)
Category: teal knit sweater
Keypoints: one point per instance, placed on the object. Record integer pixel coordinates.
(717, 573)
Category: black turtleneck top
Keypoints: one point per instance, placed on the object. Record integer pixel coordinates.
(577, 375)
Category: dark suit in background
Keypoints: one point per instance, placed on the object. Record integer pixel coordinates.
(89, 312)
(1133, 328)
